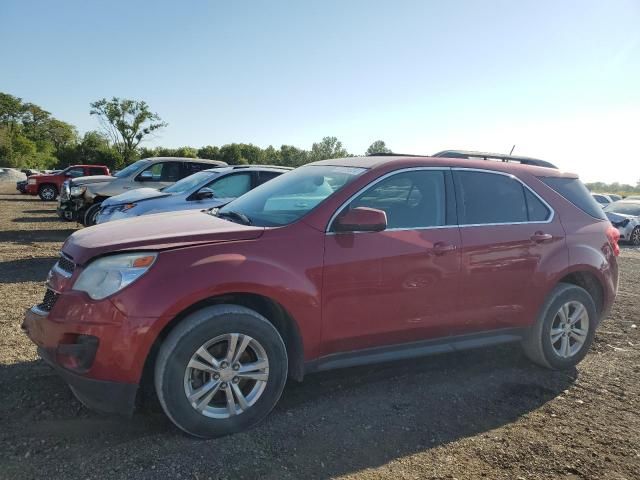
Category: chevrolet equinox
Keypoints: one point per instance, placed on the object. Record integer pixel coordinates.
(337, 263)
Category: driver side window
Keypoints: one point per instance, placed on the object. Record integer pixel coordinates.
(412, 199)
(231, 186)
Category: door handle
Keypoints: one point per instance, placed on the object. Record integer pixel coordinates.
(440, 248)
(539, 237)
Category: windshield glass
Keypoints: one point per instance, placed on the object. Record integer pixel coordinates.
(125, 172)
(624, 208)
(189, 183)
(285, 199)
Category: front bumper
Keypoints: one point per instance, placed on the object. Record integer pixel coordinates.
(31, 189)
(100, 395)
(71, 208)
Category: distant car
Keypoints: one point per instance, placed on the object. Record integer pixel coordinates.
(206, 189)
(632, 197)
(48, 185)
(602, 199)
(21, 186)
(614, 196)
(82, 196)
(625, 216)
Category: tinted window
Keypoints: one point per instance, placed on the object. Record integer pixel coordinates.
(266, 176)
(410, 199)
(574, 190)
(600, 198)
(536, 210)
(231, 186)
(489, 198)
(189, 168)
(75, 172)
(165, 171)
(625, 208)
(96, 171)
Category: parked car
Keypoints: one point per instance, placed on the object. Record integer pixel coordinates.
(48, 185)
(21, 186)
(602, 199)
(625, 216)
(632, 197)
(81, 197)
(337, 263)
(206, 189)
(614, 197)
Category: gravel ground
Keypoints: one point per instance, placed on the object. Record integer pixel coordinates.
(479, 414)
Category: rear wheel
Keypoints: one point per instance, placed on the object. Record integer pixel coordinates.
(221, 371)
(48, 193)
(564, 330)
(635, 236)
(91, 215)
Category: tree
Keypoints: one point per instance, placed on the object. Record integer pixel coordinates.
(329, 147)
(209, 152)
(127, 123)
(378, 147)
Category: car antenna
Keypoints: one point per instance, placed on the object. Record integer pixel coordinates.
(512, 149)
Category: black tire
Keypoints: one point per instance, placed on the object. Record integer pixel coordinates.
(538, 344)
(48, 193)
(635, 236)
(192, 333)
(91, 214)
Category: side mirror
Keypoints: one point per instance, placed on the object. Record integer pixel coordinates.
(204, 193)
(145, 176)
(361, 219)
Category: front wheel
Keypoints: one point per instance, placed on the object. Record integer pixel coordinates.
(564, 329)
(635, 236)
(220, 371)
(47, 193)
(91, 215)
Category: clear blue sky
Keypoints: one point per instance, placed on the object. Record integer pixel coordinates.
(561, 79)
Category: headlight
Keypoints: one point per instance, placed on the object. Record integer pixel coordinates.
(31, 181)
(77, 191)
(108, 275)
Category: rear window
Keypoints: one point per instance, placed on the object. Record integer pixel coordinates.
(574, 190)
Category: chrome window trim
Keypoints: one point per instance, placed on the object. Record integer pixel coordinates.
(513, 177)
(374, 182)
(451, 169)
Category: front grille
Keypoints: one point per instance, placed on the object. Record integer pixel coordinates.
(66, 265)
(48, 301)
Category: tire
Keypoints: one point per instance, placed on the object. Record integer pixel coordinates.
(89, 217)
(635, 236)
(539, 345)
(48, 193)
(211, 328)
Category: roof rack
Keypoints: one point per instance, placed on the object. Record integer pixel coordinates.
(494, 156)
(390, 154)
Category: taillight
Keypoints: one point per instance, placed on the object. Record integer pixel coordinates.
(613, 235)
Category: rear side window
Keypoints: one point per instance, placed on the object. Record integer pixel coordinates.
(485, 198)
(189, 168)
(96, 171)
(574, 190)
(266, 176)
(536, 210)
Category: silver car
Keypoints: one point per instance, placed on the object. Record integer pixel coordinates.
(206, 189)
(625, 216)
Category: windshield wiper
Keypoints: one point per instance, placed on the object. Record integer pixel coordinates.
(233, 216)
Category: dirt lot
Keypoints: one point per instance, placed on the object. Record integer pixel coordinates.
(481, 414)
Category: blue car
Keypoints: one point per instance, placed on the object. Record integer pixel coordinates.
(206, 189)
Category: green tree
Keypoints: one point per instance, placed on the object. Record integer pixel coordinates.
(378, 147)
(329, 147)
(209, 152)
(127, 123)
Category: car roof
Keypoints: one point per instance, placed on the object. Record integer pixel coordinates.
(185, 159)
(407, 161)
(260, 168)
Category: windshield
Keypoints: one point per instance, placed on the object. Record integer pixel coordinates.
(125, 172)
(289, 197)
(189, 183)
(624, 208)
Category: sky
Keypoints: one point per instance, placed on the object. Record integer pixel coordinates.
(559, 80)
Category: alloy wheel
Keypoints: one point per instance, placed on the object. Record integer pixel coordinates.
(635, 236)
(569, 329)
(48, 193)
(226, 375)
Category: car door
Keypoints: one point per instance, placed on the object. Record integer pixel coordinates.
(401, 284)
(507, 233)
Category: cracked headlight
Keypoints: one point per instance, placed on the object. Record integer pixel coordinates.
(77, 191)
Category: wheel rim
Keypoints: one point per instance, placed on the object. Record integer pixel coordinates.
(48, 193)
(569, 329)
(635, 236)
(226, 375)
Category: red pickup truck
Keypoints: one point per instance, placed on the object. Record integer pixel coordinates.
(48, 186)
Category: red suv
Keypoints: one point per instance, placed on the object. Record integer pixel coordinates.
(48, 186)
(337, 263)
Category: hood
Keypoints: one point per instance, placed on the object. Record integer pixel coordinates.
(155, 232)
(74, 182)
(616, 217)
(136, 195)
